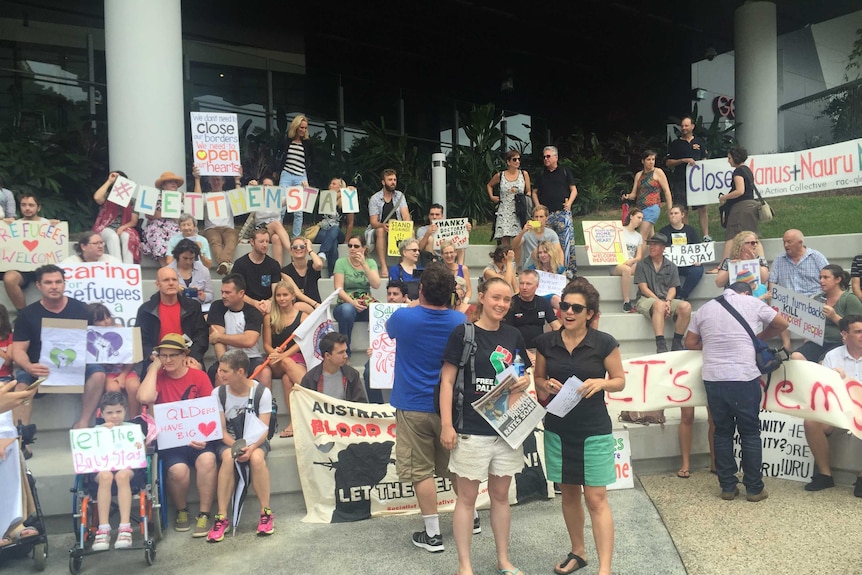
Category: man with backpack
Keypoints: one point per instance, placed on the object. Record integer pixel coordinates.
(420, 335)
(244, 440)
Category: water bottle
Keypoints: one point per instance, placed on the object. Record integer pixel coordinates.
(519, 364)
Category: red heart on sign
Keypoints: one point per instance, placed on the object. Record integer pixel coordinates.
(206, 428)
(31, 244)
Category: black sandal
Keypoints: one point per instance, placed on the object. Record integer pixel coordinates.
(579, 564)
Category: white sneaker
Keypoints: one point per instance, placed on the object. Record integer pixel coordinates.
(322, 256)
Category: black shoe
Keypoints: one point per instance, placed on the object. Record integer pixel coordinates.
(477, 527)
(627, 307)
(857, 490)
(427, 542)
(820, 482)
(677, 345)
(661, 346)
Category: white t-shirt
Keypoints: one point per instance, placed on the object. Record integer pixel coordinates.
(237, 404)
(632, 240)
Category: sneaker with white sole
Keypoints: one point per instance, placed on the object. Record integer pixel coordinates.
(182, 521)
(432, 544)
(202, 525)
(265, 526)
(124, 538)
(216, 534)
(477, 527)
(102, 541)
(707, 238)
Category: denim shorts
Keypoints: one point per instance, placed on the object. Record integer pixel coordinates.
(651, 213)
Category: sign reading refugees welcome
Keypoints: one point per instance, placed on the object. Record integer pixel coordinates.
(26, 245)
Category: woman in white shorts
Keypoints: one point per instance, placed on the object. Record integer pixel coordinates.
(478, 452)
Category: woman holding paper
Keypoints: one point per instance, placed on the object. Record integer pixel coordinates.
(356, 275)
(633, 244)
(159, 230)
(744, 247)
(579, 446)
(478, 452)
(547, 258)
(116, 224)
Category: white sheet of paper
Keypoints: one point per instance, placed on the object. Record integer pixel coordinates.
(567, 398)
(254, 428)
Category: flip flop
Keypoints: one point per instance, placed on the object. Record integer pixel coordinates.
(510, 572)
(579, 564)
(285, 433)
(683, 473)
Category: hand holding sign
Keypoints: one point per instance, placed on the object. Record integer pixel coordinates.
(191, 422)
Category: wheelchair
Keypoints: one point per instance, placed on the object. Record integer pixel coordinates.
(147, 491)
(37, 545)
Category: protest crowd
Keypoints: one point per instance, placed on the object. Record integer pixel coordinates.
(231, 338)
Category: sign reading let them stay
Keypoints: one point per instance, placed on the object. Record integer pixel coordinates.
(28, 244)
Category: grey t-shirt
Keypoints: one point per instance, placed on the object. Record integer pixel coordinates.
(529, 243)
(333, 384)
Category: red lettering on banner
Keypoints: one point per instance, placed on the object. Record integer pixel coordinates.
(780, 388)
(680, 386)
(391, 430)
(645, 379)
(826, 390)
(853, 384)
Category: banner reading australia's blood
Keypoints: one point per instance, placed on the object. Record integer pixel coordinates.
(345, 453)
(821, 169)
(118, 286)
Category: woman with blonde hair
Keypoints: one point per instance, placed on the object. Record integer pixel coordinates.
(297, 159)
(278, 325)
(546, 258)
(450, 254)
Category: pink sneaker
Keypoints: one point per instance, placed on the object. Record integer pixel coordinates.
(124, 538)
(219, 527)
(265, 527)
(102, 542)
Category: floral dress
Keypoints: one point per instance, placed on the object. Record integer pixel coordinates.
(508, 224)
(158, 233)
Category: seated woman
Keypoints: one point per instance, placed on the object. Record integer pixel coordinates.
(272, 222)
(330, 235)
(159, 230)
(116, 224)
(189, 231)
(633, 249)
(303, 276)
(406, 269)
(195, 279)
(744, 248)
(547, 255)
(90, 248)
(278, 325)
(502, 266)
(449, 253)
(356, 275)
(16, 500)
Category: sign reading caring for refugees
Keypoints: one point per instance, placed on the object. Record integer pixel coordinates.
(820, 169)
(215, 142)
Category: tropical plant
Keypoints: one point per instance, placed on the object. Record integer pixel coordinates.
(845, 109)
(598, 179)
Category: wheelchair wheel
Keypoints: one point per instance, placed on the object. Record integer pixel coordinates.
(75, 564)
(40, 556)
(150, 553)
(156, 496)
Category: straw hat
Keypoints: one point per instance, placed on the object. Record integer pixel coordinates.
(169, 177)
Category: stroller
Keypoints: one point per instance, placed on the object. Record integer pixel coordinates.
(37, 545)
(147, 488)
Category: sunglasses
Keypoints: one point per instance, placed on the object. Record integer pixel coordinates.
(575, 307)
(754, 243)
(547, 156)
(515, 159)
(354, 245)
(299, 247)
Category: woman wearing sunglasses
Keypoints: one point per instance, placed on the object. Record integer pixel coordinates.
(356, 275)
(579, 447)
(304, 273)
(744, 246)
(512, 181)
(478, 452)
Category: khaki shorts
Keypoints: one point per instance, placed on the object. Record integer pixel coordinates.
(644, 306)
(477, 456)
(419, 455)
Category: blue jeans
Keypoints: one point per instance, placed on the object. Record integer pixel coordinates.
(328, 240)
(561, 222)
(287, 179)
(690, 276)
(735, 405)
(346, 315)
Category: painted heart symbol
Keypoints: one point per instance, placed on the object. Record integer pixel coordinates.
(62, 357)
(206, 428)
(31, 244)
(604, 236)
(201, 154)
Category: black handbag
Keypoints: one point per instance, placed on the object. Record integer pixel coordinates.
(723, 212)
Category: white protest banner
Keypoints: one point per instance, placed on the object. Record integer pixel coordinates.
(237, 198)
(734, 268)
(273, 198)
(181, 422)
(328, 202)
(12, 511)
(215, 141)
(550, 283)
(26, 245)
(604, 244)
(381, 364)
(118, 286)
(309, 199)
(398, 231)
(172, 204)
(786, 454)
(64, 351)
(146, 200)
(193, 203)
(114, 345)
(293, 199)
(804, 313)
(349, 200)
(345, 454)
(216, 206)
(314, 327)
(690, 254)
(623, 461)
(108, 449)
(800, 388)
(122, 191)
(454, 230)
(822, 169)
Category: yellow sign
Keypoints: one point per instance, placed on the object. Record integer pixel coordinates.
(398, 231)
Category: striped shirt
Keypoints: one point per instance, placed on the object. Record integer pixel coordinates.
(802, 277)
(295, 161)
(856, 267)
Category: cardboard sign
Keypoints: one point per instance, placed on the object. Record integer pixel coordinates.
(398, 231)
(309, 199)
(64, 351)
(293, 199)
(604, 243)
(786, 454)
(122, 191)
(181, 422)
(26, 245)
(146, 200)
(108, 449)
(623, 461)
(172, 204)
(193, 204)
(804, 313)
(215, 142)
(549, 283)
(690, 254)
(736, 268)
(454, 230)
(118, 286)
(349, 201)
(114, 345)
(381, 363)
(328, 202)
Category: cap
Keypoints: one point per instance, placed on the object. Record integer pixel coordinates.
(658, 239)
(173, 341)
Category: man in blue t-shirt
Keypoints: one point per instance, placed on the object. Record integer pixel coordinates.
(420, 335)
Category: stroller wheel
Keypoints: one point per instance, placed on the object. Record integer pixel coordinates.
(75, 565)
(40, 556)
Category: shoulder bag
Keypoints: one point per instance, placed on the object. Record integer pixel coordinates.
(767, 359)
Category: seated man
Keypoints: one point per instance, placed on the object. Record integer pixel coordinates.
(170, 379)
(14, 281)
(530, 313)
(259, 271)
(219, 227)
(90, 248)
(680, 233)
(189, 230)
(847, 361)
(425, 234)
(334, 376)
(236, 324)
(234, 389)
(385, 205)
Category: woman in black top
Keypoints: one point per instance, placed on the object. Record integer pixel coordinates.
(744, 211)
(478, 452)
(579, 447)
(304, 272)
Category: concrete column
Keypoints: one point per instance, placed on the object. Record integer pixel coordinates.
(438, 179)
(756, 76)
(144, 57)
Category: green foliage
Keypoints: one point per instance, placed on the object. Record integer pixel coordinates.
(473, 165)
(599, 181)
(719, 140)
(845, 110)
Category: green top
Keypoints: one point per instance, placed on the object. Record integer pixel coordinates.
(354, 279)
(846, 305)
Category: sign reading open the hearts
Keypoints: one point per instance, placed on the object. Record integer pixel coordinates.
(181, 422)
(604, 243)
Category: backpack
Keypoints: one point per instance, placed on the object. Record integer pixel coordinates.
(468, 353)
(240, 420)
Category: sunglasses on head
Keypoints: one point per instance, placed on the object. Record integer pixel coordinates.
(575, 307)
